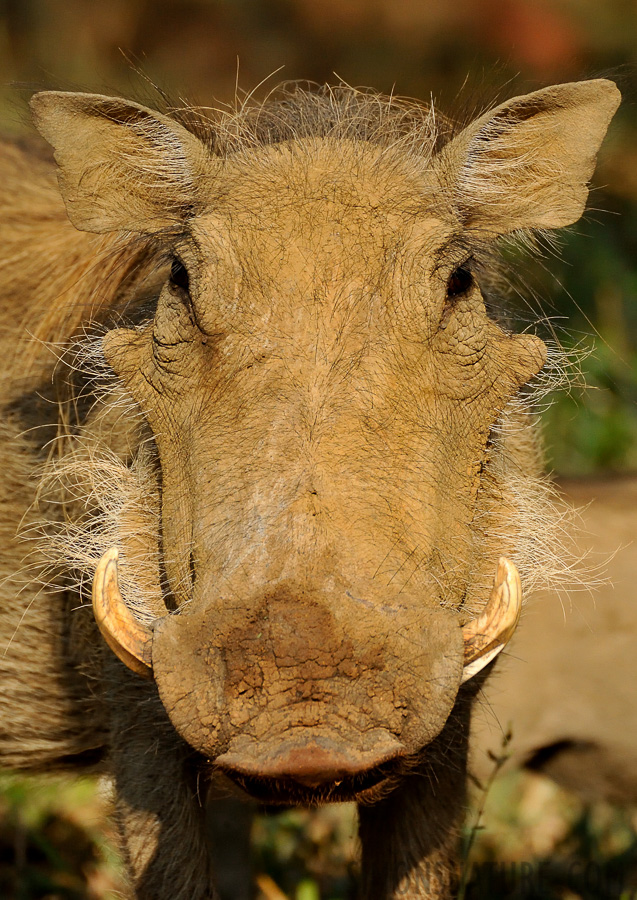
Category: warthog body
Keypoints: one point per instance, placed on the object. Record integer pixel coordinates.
(297, 439)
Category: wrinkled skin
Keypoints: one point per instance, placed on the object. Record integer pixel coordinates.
(342, 367)
(308, 415)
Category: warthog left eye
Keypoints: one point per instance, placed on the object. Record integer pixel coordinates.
(460, 280)
(179, 275)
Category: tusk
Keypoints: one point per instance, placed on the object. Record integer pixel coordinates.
(128, 639)
(488, 633)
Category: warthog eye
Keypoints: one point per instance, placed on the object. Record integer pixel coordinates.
(459, 282)
(179, 275)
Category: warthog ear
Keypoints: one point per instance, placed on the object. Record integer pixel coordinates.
(526, 163)
(122, 167)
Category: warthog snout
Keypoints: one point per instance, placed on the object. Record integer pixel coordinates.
(312, 684)
(325, 687)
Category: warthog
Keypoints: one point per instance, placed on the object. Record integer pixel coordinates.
(289, 450)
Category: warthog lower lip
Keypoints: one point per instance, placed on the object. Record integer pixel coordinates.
(286, 791)
(310, 756)
(307, 767)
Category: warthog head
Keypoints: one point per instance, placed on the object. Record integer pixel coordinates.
(323, 389)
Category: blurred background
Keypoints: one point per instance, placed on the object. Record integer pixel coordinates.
(466, 54)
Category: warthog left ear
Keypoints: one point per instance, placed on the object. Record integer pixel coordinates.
(122, 167)
(526, 163)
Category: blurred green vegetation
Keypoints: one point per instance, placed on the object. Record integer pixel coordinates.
(530, 840)
(309, 855)
(590, 296)
(55, 841)
(538, 842)
(54, 836)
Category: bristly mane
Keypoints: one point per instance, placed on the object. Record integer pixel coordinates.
(298, 111)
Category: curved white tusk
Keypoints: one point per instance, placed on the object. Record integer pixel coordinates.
(488, 633)
(128, 639)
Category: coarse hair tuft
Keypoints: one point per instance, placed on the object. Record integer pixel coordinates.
(296, 111)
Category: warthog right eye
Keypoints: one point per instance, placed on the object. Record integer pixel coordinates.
(460, 280)
(179, 275)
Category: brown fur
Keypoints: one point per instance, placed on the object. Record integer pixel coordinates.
(309, 457)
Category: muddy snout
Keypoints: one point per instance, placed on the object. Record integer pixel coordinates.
(315, 687)
(317, 736)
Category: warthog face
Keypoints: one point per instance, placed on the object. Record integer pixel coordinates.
(323, 381)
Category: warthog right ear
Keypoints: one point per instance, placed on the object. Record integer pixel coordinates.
(526, 163)
(122, 167)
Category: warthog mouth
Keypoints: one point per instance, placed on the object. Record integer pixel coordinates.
(366, 787)
(308, 766)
